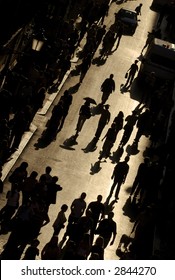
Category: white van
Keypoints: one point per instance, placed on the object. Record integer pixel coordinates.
(160, 59)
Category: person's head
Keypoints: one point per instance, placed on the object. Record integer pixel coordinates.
(42, 178)
(110, 215)
(120, 114)
(48, 169)
(106, 106)
(34, 174)
(99, 241)
(64, 207)
(126, 158)
(54, 179)
(83, 195)
(24, 165)
(136, 61)
(111, 76)
(35, 243)
(99, 198)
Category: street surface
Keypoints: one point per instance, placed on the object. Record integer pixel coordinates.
(75, 167)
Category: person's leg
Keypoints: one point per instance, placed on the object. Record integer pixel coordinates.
(118, 190)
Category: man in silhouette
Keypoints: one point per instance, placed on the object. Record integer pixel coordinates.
(107, 228)
(97, 209)
(141, 179)
(131, 73)
(104, 120)
(119, 176)
(107, 87)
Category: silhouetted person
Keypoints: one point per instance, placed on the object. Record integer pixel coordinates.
(51, 192)
(138, 9)
(99, 35)
(51, 250)
(107, 228)
(119, 34)
(97, 209)
(54, 122)
(86, 63)
(107, 44)
(107, 87)
(78, 207)
(28, 186)
(110, 138)
(131, 74)
(66, 99)
(144, 123)
(60, 220)
(10, 207)
(118, 121)
(98, 248)
(32, 251)
(144, 228)
(128, 127)
(38, 100)
(103, 121)
(84, 114)
(149, 40)
(19, 174)
(20, 124)
(119, 176)
(141, 180)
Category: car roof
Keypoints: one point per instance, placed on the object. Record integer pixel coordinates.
(127, 10)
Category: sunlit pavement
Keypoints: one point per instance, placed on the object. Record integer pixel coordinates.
(77, 170)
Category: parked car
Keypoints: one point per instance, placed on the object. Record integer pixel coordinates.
(160, 59)
(129, 20)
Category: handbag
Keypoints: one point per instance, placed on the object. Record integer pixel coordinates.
(126, 75)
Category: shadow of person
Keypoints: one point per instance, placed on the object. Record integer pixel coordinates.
(68, 143)
(117, 154)
(124, 88)
(95, 168)
(130, 210)
(136, 91)
(91, 147)
(74, 88)
(132, 149)
(98, 61)
(97, 110)
(109, 206)
(76, 71)
(42, 143)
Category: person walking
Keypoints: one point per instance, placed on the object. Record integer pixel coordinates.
(84, 114)
(107, 87)
(78, 207)
(141, 180)
(103, 121)
(107, 228)
(128, 127)
(138, 9)
(51, 250)
(97, 209)
(131, 74)
(144, 125)
(119, 176)
(110, 138)
(60, 220)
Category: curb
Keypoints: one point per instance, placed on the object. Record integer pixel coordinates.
(14, 157)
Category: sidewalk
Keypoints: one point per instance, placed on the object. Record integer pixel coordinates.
(43, 111)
